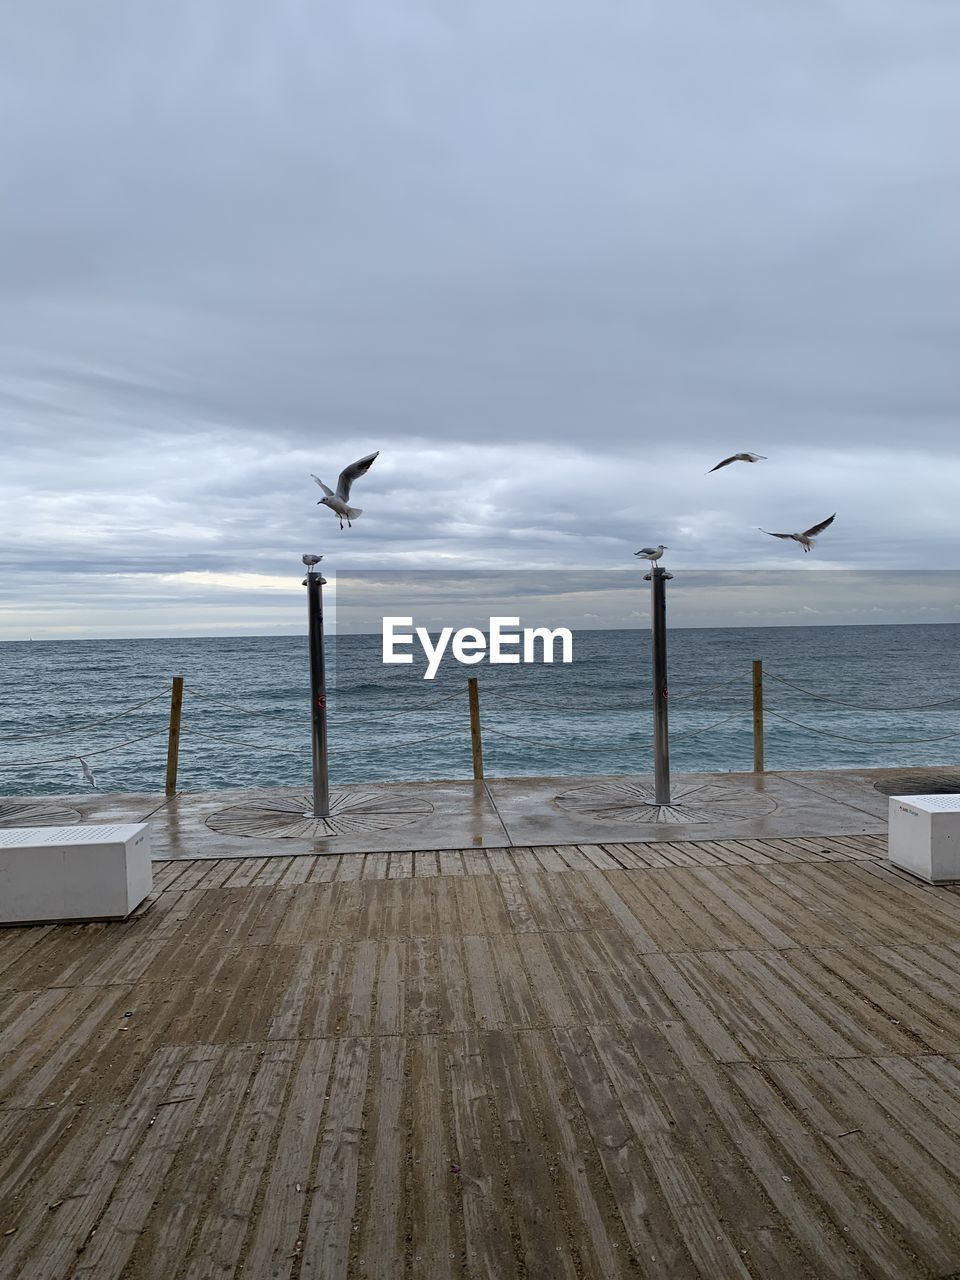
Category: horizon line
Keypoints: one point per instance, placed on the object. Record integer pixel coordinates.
(291, 635)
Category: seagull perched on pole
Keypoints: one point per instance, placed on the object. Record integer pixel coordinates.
(338, 502)
(652, 554)
(739, 457)
(806, 539)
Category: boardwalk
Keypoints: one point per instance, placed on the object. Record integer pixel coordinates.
(712, 1059)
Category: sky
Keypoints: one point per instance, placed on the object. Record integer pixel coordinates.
(553, 262)
(592, 599)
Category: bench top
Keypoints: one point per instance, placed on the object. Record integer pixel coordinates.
(931, 803)
(117, 833)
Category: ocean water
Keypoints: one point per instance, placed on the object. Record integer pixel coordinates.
(836, 697)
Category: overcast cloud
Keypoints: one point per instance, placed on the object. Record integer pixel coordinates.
(554, 261)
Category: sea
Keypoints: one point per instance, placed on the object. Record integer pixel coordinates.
(834, 698)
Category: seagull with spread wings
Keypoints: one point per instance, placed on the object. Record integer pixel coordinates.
(338, 502)
(806, 539)
(739, 457)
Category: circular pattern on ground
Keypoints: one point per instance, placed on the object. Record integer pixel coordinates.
(692, 803)
(351, 813)
(34, 813)
(920, 782)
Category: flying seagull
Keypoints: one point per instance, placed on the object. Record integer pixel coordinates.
(739, 457)
(87, 772)
(337, 502)
(652, 553)
(806, 538)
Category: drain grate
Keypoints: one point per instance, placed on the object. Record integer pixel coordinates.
(633, 802)
(34, 813)
(351, 813)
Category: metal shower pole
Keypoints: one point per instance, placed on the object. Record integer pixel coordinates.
(314, 583)
(658, 578)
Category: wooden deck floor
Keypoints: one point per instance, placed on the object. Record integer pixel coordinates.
(710, 1059)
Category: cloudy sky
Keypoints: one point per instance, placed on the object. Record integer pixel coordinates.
(554, 261)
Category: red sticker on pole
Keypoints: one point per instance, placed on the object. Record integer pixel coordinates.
(321, 702)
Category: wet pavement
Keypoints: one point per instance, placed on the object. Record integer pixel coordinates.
(500, 812)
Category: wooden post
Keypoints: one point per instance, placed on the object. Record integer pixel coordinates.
(476, 742)
(173, 740)
(758, 715)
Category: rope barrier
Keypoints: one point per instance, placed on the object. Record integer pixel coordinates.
(552, 746)
(400, 712)
(407, 742)
(392, 715)
(890, 742)
(98, 751)
(566, 746)
(562, 706)
(537, 704)
(79, 728)
(380, 715)
(703, 693)
(695, 733)
(863, 706)
(260, 746)
(236, 742)
(215, 702)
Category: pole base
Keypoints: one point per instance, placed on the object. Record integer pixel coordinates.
(674, 813)
(624, 801)
(290, 816)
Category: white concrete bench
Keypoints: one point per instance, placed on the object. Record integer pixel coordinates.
(73, 873)
(924, 836)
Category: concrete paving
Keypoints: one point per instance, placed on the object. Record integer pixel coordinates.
(90, 806)
(853, 787)
(401, 816)
(705, 807)
(501, 812)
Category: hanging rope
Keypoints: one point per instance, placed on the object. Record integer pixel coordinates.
(215, 702)
(82, 755)
(378, 715)
(236, 742)
(268, 747)
(79, 728)
(570, 707)
(582, 709)
(864, 706)
(611, 746)
(397, 713)
(863, 742)
(696, 733)
(703, 693)
(567, 746)
(407, 742)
